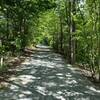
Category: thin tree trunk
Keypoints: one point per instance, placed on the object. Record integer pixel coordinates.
(99, 41)
(73, 33)
(61, 35)
(7, 15)
(69, 31)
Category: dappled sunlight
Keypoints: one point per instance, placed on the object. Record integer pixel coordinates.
(27, 99)
(68, 75)
(23, 79)
(65, 93)
(45, 76)
(40, 62)
(93, 89)
(41, 90)
(71, 82)
(59, 74)
(57, 96)
(14, 88)
(49, 84)
(68, 65)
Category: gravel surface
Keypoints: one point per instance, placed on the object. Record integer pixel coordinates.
(46, 76)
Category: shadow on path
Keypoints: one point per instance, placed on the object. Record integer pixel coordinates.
(45, 76)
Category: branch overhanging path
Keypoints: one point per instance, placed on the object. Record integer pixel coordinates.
(45, 76)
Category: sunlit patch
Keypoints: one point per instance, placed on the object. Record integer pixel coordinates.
(69, 65)
(27, 92)
(68, 75)
(93, 89)
(73, 69)
(21, 95)
(59, 74)
(12, 78)
(61, 77)
(14, 88)
(50, 84)
(40, 62)
(59, 92)
(33, 71)
(69, 78)
(27, 77)
(59, 97)
(41, 90)
(50, 66)
(73, 93)
(58, 59)
(60, 66)
(62, 85)
(69, 93)
(26, 99)
(71, 81)
(23, 79)
(26, 63)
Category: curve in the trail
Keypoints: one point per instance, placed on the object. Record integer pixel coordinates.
(46, 76)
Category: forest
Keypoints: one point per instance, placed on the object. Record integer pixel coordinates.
(70, 27)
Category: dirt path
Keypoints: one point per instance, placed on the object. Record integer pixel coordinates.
(45, 76)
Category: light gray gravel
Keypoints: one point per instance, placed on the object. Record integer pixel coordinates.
(46, 76)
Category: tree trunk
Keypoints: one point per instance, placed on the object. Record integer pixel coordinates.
(73, 32)
(72, 28)
(69, 31)
(61, 36)
(99, 41)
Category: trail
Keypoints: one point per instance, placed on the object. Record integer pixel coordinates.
(46, 76)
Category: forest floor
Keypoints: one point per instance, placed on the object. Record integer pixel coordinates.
(45, 75)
